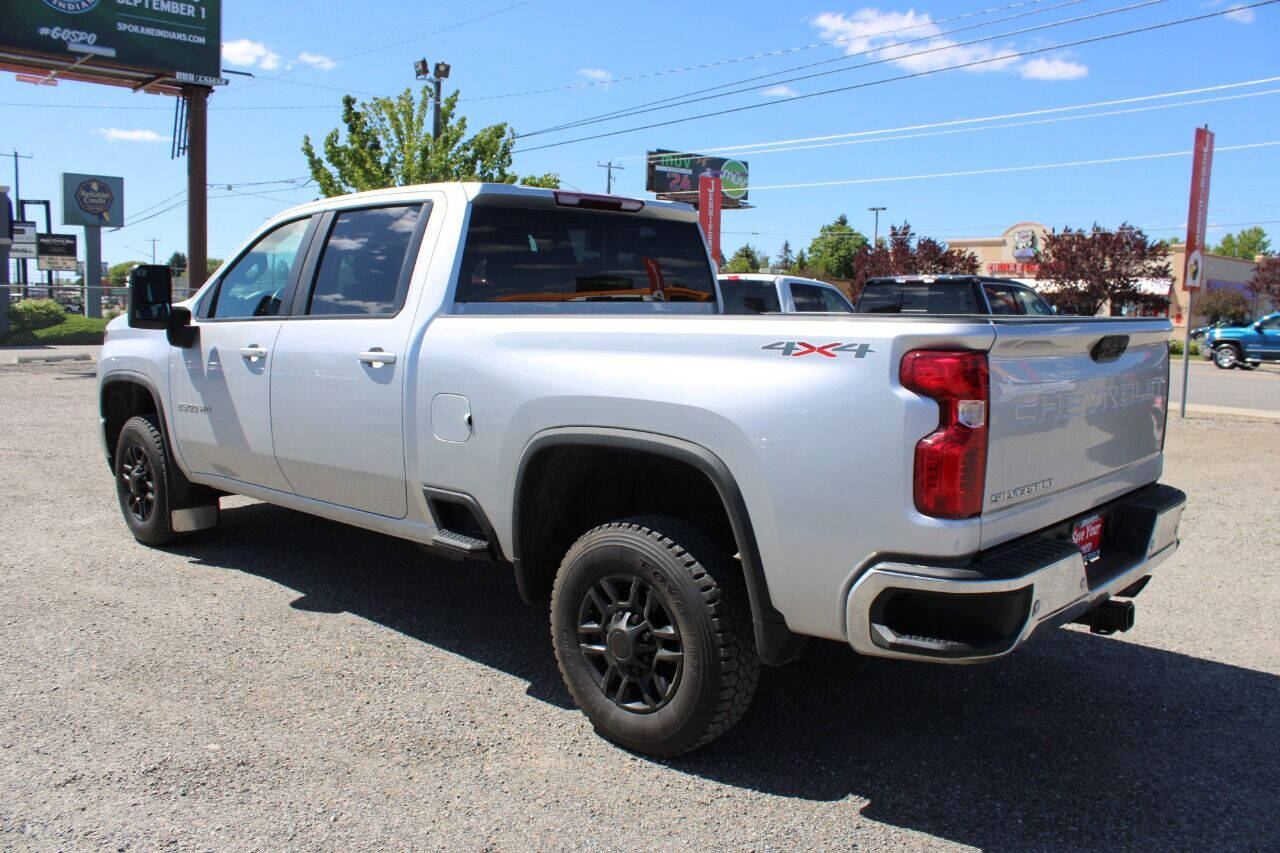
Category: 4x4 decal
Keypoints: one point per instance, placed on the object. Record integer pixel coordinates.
(799, 348)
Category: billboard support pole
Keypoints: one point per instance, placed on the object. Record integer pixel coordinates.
(197, 184)
(93, 271)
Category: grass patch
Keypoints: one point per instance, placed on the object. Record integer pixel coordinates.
(75, 329)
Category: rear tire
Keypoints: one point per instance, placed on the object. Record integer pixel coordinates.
(142, 481)
(653, 635)
(1226, 356)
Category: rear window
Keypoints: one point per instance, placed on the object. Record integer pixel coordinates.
(526, 255)
(749, 297)
(918, 297)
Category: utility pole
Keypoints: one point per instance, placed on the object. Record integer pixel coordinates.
(436, 75)
(875, 232)
(153, 241)
(609, 180)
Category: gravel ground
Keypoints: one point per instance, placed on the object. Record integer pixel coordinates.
(291, 683)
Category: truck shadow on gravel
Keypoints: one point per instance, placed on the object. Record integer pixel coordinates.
(1076, 742)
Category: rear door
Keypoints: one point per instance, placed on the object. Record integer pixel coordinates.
(1073, 403)
(338, 371)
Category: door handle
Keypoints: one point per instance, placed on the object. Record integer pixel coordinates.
(376, 357)
(253, 352)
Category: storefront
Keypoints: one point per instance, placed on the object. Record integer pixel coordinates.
(1014, 254)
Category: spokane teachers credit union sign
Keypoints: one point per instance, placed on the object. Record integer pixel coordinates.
(165, 36)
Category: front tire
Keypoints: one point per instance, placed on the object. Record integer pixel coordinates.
(653, 635)
(142, 481)
(1226, 357)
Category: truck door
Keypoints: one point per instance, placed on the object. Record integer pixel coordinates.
(220, 386)
(338, 371)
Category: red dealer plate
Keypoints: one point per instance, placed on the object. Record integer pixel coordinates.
(1087, 534)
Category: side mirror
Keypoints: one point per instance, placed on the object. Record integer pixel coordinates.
(150, 296)
(179, 331)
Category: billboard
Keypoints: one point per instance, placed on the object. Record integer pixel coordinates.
(673, 175)
(56, 252)
(92, 200)
(161, 36)
(1198, 212)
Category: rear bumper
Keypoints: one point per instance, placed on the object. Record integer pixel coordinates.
(986, 608)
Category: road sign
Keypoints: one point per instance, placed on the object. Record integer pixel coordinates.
(1198, 213)
(24, 239)
(56, 252)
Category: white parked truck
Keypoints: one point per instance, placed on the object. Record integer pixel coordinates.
(545, 380)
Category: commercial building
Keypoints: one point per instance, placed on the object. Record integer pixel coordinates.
(1014, 254)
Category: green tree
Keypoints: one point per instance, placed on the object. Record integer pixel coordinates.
(801, 266)
(389, 144)
(211, 265)
(746, 259)
(118, 274)
(786, 260)
(1246, 244)
(833, 252)
(178, 263)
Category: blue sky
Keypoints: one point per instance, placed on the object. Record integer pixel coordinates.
(583, 59)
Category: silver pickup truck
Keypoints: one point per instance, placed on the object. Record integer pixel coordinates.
(545, 380)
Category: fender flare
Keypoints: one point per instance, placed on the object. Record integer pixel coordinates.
(774, 641)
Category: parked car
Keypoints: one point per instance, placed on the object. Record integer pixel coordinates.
(678, 483)
(765, 293)
(1245, 347)
(1198, 334)
(950, 294)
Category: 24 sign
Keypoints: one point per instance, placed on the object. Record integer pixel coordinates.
(796, 349)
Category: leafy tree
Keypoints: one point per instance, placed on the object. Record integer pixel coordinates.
(178, 263)
(1266, 280)
(786, 260)
(903, 253)
(746, 259)
(118, 274)
(1247, 244)
(832, 252)
(1223, 303)
(1085, 269)
(211, 266)
(389, 144)
(801, 265)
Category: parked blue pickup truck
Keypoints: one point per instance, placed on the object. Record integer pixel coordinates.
(1246, 347)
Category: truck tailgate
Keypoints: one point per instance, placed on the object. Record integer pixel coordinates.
(1077, 417)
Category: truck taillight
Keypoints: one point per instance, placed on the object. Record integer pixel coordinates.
(951, 462)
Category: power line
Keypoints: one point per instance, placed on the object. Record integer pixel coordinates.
(999, 170)
(767, 54)
(744, 149)
(912, 75)
(687, 97)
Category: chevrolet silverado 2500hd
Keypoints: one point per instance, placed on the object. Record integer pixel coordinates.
(544, 379)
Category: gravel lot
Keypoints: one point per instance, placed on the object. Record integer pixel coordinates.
(291, 683)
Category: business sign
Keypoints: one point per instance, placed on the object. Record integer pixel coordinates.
(24, 239)
(710, 191)
(92, 200)
(56, 252)
(163, 36)
(674, 175)
(1198, 211)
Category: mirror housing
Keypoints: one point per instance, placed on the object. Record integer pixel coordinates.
(180, 332)
(150, 296)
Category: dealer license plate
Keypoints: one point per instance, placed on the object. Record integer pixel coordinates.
(1087, 534)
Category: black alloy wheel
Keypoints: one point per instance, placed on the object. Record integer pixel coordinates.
(627, 635)
(137, 477)
(142, 480)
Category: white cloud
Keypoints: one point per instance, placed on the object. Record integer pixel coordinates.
(250, 54)
(778, 91)
(1241, 16)
(116, 134)
(1048, 68)
(596, 75)
(317, 60)
(880, 35)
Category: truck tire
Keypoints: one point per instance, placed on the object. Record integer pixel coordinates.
(1226, 356)
(142, 481)
(653, 635)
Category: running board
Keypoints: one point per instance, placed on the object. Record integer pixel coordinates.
(460, 542)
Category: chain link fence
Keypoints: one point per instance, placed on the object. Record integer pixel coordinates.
(40, 315)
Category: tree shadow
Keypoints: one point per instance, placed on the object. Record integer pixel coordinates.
(1075, 742)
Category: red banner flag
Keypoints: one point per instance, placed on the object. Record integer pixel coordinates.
(1198, 212)
(709, 213)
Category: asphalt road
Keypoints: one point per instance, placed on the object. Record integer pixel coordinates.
(1240, 389)
(291, 683)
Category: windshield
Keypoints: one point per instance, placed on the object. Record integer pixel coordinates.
(918, 297)
(749, 297)
(551, 255)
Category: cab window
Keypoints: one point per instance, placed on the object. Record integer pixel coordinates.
(364, 268)
(807, 297)
(254, 285)
(1001, 299)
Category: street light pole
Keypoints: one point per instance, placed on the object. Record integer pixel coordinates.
(436, 74)
(875, 233)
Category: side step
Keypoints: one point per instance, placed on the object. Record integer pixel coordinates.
(460, 543)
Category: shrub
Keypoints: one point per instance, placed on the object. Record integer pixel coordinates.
(1175, 347)
(73, 330)
(35, 314)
